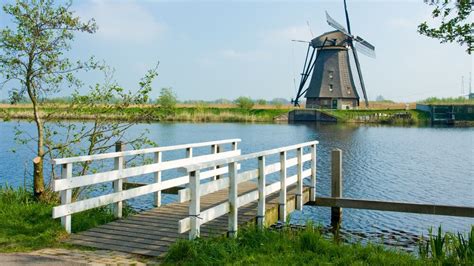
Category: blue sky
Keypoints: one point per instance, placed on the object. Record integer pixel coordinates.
(225, 49)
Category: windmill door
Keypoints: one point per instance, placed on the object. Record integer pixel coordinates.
(334, 104)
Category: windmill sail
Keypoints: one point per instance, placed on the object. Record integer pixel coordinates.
(333, 23)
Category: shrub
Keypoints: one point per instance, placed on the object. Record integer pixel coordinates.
(167, 100)
(244, 102)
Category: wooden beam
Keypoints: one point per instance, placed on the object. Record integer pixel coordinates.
(461, 211)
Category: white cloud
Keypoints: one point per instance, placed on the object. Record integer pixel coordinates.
(122, 21)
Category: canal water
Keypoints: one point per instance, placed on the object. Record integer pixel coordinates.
(413, 164)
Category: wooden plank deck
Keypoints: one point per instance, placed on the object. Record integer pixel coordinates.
(152, 232)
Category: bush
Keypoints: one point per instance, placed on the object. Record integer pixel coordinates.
(262, 102)
(167, 100)
(244, 103)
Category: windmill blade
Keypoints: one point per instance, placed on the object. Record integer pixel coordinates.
(333, 23)
(359, 72)
(364, 42)
(347, 17)
(364, 50)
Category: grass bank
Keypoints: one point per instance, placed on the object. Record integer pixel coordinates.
(153, 113)
(394, 116)
(303, 247)
(26, 224)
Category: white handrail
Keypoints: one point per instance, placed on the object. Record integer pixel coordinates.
(67, 183)
(196, 190)
(111, 155)
(194, 167)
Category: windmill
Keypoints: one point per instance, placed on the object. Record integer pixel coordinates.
(332, 84)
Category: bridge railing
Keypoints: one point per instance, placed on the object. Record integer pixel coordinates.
(196, 189)
(68, 182)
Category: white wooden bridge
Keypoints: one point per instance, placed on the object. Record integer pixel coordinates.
(215, 194)
(228, 197)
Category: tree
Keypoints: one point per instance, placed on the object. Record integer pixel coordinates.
(33, 58)
(262, 102)
(245, 103)
(167, 100)
(455, 25)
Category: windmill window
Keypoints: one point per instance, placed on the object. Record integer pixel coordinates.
(330, 87)
(331, 74)
(348, 90)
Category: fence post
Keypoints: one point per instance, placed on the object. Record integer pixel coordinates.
(282, 198)
(157, 199)
(214, 150)
(299, 183)
(261, 192)
(336, 185)
(66, 196)
(234, 146)
(189, 152)
(233, 195)
(118, 184)
(195, 204)
(312, 191)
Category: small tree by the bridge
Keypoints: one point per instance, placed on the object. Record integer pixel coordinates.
(33, 62)
(33, 59)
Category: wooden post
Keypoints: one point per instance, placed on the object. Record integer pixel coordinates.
(214, 150)
(66, 196)
(336, 185)
(312, 191)
(118, 184)
(219, 150)
(233, 195)
(299, 183)
(261, 192)
(195, 204)
(189, 152)
(282, 198)
(157, 199)
(234, 146)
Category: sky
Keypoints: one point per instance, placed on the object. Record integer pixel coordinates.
(225, 49)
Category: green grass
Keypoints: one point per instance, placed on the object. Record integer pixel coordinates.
(287, 247)
(26, 224)
(388, 116)
(309, 247)
(154, 113)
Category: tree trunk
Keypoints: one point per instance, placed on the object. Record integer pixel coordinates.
(38, 178)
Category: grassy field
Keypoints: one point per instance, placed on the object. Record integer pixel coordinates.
(393, 116)
(192, 113)
(153, 113)
(309, 247)
(26, 224)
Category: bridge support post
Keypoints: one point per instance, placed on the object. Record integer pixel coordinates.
(195, 204)
(282, 197)
(233, 195)
(118, 184)
(336, 186)
(66, 196)
(299, 183)
(312, 191)
(214, 150)
(261, 192)
(157, 195)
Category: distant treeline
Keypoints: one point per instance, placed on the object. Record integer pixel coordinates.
(460, 99)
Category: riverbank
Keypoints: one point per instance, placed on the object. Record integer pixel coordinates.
(201, 113)
(309, 246)
(149, 113)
